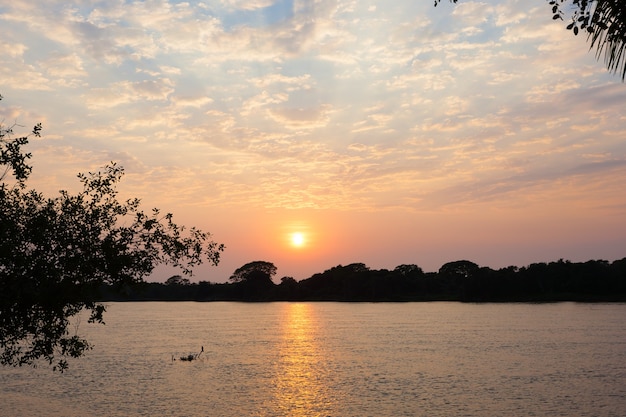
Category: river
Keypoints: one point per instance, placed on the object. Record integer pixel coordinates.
(337, 359)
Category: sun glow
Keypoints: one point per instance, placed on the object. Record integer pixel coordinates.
(297, 239)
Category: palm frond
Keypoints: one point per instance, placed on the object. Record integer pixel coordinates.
(607, 33)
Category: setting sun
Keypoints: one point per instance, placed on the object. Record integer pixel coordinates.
(297, 239)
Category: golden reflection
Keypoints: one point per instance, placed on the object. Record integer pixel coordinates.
(300, 382)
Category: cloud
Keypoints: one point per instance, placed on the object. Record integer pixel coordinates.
(125, 92)
(331, 105)
(302, 118)
(20, 76)
(13, 50)
(247, 4)
(262, 100)
(191, 101)
(473, 13)
(166, 69)
(283, 81)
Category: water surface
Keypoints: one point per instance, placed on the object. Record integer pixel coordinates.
(337, 359)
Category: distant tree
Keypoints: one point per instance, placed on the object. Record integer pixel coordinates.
(257, 272)
(177, 280)
(350, 269)
(460, 280)
(410, 270)
(56, 254)
(617, 277)
(346, 283)
(288, 281)
(605, 24)
(287, 289)
(459, 269)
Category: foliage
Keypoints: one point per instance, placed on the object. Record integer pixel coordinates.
(257, 271)
(458, 269)
(253, 280)
(56, 253)
(605, 24)
(12, 158)
(177, 280)
(409, 270)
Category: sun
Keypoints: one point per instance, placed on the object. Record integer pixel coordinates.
(297, 239)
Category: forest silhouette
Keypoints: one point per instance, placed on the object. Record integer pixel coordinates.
(594, 280)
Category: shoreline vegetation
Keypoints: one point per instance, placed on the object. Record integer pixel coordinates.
(465, 281)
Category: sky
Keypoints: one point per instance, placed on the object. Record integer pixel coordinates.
(385, 133)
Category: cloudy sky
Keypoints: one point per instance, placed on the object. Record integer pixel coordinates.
(386, 132)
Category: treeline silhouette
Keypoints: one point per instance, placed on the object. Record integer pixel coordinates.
(595, 280)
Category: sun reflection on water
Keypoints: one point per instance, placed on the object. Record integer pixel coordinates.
(301, 375)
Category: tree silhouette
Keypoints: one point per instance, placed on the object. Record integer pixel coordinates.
(56, 254)
(259, 272)
(465, 281)
(177, 280)
(459, 269)
(410, 270)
